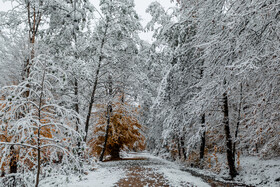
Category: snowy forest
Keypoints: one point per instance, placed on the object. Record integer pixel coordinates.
(80, 88)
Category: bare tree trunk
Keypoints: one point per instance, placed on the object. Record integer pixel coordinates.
(95, 83)
(77, 110)
(13, 164)
(183, 148)
(238, 122)
(92, 100)
(76, 92)
(39, 132)
(39, 160)
(76, 100)
(203, 135)
(109, 112)
(229, 150)
(179, 147)
(115, 151)
(203, 138)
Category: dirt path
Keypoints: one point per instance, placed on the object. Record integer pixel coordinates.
(146, 170)
(143, 169)
(140, 176)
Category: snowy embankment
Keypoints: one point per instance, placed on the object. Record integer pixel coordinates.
(253, 171)
(148, 171)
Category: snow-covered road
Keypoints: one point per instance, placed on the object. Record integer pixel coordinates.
(138, 169)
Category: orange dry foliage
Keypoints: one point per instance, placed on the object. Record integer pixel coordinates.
(45, 132)
(125, 131)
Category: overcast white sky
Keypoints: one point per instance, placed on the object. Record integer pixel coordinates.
(140, 6)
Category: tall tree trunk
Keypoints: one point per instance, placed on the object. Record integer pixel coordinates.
(13, 164)
(77, 101)
(238, 123)
(179, 147)
(95, 83)
(203, 138)
(38, 159)
(203, 126)
(78, 120)
(39, 131)
(13, 161)
(183, 148)
(109, 113)
(115, 151)
(229, 150)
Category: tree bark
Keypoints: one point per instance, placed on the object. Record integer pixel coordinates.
(13, 161)
(179, 147)
(238, 122)
(183, 148)
(203, 138)
(115, 152)
(77, 102)
(229, 150)
(109, 112)
(95, 83)
(38, 160)
(203, 135)
(76, 89)
(13, 164)
(39, 132)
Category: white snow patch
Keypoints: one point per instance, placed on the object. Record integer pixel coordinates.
(256, 171)
(253, 171)
(177, 177)
(105, 177)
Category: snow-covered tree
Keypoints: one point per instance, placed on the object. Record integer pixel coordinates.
(40, 132)
(116, 35)
(214, 49)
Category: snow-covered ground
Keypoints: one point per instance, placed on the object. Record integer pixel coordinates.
(253, 171)
(153, 169)
(258, 172)
(101, 176)
(106, 177)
